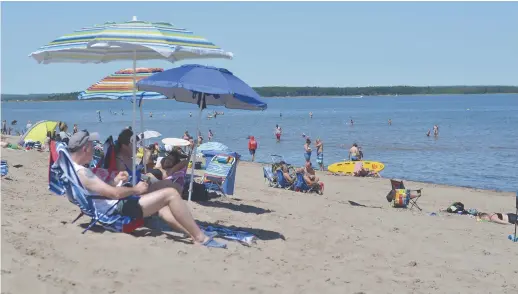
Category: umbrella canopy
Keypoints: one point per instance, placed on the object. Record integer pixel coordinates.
(120, 85)
(120, 41)
(38, 131)
(219, 86)
(175, 142)
(149, 134)
(213, 146)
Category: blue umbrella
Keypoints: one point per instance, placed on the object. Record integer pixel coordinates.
(203, 85)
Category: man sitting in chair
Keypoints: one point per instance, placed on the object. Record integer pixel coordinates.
(311, 178)
(167, 202)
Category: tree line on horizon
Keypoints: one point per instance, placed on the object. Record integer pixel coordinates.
(280, 91)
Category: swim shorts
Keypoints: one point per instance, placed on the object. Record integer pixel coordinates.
(307, 156)
(252, 151)
(320, 158)
(130, 207)
(278, 136)
(354, 158)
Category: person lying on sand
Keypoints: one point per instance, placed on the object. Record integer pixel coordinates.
(499, 218)
(122, 200)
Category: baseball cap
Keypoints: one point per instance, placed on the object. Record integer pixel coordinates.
(80, 138)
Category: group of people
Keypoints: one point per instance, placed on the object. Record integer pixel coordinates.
(308, 174)
(161, 195)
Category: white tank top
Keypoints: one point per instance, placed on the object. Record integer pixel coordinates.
(101, 205)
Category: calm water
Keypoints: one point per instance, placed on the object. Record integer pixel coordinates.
(476, 147)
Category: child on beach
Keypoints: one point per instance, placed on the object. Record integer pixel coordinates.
(252, 147)
(278, 133)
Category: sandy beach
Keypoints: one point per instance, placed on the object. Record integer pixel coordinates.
(307, 243)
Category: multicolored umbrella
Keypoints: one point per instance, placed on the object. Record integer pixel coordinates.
(120, 85)
(132, 40)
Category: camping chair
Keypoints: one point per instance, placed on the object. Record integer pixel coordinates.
(400, 185)
(282, 182)
(63, 179)
(300, 185)
(220, 174)
(269, 177)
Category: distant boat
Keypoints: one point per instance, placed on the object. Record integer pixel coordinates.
(357, 96)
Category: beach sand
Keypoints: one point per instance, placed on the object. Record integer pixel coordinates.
(307, 243)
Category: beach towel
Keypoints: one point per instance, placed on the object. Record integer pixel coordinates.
(242, 237)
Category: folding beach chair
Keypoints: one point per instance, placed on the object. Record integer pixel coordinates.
(300, 185)
(63, 179)
(220, 174)
(281, 181)
(269, 177)
(399, 185)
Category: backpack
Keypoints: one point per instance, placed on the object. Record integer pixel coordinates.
(456, 207)
(199, 193)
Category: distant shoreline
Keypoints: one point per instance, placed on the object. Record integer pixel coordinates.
(276, 97)
(317, 92)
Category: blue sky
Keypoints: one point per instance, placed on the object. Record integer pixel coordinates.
(285, 43)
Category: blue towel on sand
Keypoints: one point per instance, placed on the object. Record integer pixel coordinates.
(242, 237)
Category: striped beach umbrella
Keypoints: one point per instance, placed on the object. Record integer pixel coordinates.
(132, 40)
(139, 40)
(120, 86)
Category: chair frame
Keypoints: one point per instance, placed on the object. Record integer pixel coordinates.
(398, 184)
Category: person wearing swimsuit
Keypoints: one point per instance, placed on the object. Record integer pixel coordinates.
(307, 150)
(124, 153)
(320, 153)
(499, 218)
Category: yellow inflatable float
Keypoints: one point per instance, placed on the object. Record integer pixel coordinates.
(347, 167)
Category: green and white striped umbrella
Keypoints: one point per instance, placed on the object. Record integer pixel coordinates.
(122, 41)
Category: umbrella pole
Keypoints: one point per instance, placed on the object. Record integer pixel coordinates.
(133, 125)
(142, 132)
(193, 156)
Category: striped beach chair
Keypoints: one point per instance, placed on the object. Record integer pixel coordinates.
(220, 174)
(63, 180)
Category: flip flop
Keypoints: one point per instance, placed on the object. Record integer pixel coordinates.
(214, 244)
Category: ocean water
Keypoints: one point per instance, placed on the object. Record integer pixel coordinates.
(477, 145)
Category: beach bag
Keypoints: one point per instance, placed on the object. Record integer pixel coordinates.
(456, 207)
(401, 198)
(199, 193)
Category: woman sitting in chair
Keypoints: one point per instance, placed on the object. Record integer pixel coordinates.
(170, 172)
(286, 174)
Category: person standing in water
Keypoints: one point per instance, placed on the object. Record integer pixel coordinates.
(352, 122)
(190, 114)
(4, 127)
(389, 122)
(310, 114)
(252, 146)
(354, 153)
(210, 135)
(99, 118)
(280, 114)
(150, 114)
(278, 133)
(436, 130)
(74, 130)
(320, 153)
(122, 111)
(428, 134)
(307, 150)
